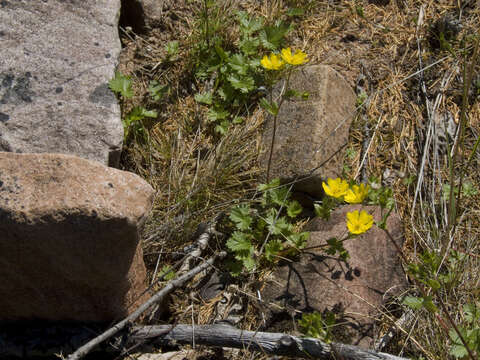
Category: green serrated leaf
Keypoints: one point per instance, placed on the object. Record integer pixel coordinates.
(240, 215)
(239, 242)
(271, 107)
(272, 37)
(272, 249)
(279, 195)
(245, 83)
(156, 90)
(249, 25)
(121, 84)
(204, 98)
(281, 226)
(216, 114)
(413, 302)
(458, 351)
(249, 263)
(167, 273)
(294, 209)
(238, 63)
(249, 46)
(271, 185)
(322, 211)
(172, 48)
(222, 128)
(298, 240)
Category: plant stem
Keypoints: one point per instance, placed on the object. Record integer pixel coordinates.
(454, 203)
(282, 99)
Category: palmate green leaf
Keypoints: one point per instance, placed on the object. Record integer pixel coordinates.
(294, 209)
(272, 37)
(243, 83)
(471, 313)
(239, 242)
(222, 128)
(272, 184)
(139, 113)
(121, 84)
(157, 91)
(413, 302)
(281, 226)
(279, 195)
(272, 249)
(457, 349)
(249, 263)
(249, 46)
(239, 64)
(167, 273)
(204, 98)
(249, 25)
(217, 113)
(240, 215)
(271, 107)
(298, 240)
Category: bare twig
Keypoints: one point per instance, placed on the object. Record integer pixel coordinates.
(172, 285)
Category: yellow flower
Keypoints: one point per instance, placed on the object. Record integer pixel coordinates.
(298, 58)
(335, 187)
(356, 194)
(274, 62)
(359, 222)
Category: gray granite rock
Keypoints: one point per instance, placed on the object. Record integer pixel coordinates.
(56, 60)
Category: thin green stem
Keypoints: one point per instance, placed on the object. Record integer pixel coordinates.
(282, 99)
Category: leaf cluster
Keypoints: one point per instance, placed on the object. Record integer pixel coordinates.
(318, 326)
(133, 120)
(265, 233)
(233, 68)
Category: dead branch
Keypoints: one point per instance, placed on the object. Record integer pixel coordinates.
(268, 343)
(46, 341)
(171, 285)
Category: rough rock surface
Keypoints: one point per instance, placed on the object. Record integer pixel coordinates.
(310, 131)
(356, 290)
(69, 244)
(55, 63)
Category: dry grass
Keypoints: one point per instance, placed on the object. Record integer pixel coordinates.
(382, 48)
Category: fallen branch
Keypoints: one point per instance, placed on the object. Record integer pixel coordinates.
(50, 340)
(172, 285)
(268, 343)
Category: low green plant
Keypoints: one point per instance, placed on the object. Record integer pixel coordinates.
(233, 69)
(122, 85)
(317, 325)
(470, 332)
(265, 233)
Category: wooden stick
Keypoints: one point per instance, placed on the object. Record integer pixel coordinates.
(268, 343)
(172, 285)
(60, 339)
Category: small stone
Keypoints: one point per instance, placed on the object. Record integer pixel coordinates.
(310, 133)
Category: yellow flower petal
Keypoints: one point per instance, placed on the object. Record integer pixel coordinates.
(356, 194)
(335, 187)
(298, 58)
(274, 62)
(359, 222)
